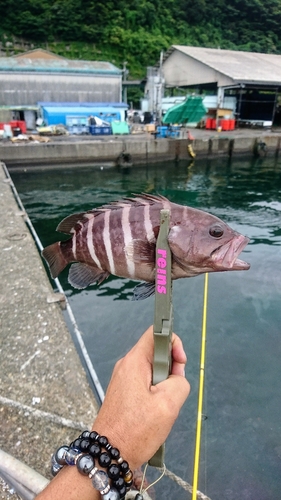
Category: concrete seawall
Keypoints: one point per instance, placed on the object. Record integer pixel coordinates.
(45, 397)
(143, 148)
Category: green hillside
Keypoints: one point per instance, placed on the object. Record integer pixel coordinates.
(137, 30)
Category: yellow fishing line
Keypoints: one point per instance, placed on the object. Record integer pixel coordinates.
(200, 393)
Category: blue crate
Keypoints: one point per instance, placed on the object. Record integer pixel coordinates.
(173, 132)
(95, 130)
(165, 131)
(161, 132)
(77, 124)
(106, 130)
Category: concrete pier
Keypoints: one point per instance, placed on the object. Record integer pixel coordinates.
(45, 397)
(143, 148)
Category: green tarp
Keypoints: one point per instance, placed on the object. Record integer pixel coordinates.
(120, 127)
(191, 110)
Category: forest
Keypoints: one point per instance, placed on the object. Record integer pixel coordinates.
(136, 31)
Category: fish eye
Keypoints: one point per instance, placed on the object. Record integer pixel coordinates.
(216, 231)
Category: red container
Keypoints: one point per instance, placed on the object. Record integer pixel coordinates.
(225, 124)
(2, 125)
(232, 124)
(19, 124)
(22, 125)
(214, 123)
(208, 123)
(13, 123)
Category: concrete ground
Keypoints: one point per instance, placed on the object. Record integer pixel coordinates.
(198, 133)
(45, 398)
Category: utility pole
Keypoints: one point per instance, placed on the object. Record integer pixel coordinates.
(125, 73)
(159, 87)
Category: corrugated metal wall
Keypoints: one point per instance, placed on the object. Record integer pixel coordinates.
(180, 70)
(27, 89)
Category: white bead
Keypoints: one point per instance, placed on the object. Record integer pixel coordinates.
(100, 480)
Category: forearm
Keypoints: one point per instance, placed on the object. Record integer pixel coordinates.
(70, 484)
(136, 418)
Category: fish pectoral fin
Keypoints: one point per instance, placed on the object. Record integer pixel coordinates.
(80, 275)
(143, 290)
(140, 251)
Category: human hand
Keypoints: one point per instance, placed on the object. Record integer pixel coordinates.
(136, 416)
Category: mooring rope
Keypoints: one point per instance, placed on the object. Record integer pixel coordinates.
(184, 484)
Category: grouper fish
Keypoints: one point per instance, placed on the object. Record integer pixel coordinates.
(120, 239)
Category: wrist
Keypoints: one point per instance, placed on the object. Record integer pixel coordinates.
(119, 441)
(94, 456)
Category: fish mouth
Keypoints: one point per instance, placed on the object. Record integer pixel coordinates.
(226, 256)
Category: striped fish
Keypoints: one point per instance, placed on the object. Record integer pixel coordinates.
(120, 239)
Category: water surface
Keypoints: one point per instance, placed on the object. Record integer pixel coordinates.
(241, 440)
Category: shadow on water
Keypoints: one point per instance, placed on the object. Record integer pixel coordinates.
(241, 447)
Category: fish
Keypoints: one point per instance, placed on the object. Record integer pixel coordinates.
(120, 239)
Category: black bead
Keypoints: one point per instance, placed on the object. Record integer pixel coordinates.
(85, 463)
(76, 443)
(113, 471)
(85, 434)
(115, 453)
(93, 435)
(103, 441)
(119, 483)
(124, 466)
(138, 496)
(85, 444)
(122, 492)
(104, 459)
(95, 450)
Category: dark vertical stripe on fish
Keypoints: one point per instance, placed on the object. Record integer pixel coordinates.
(93, 234)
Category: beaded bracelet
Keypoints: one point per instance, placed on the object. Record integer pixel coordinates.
(84, 452)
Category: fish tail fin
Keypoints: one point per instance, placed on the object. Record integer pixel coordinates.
(55, 258)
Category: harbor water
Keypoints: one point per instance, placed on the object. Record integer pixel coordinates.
(241, 429)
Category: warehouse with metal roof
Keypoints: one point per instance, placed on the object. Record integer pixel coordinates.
(253, 78)
(40, 75)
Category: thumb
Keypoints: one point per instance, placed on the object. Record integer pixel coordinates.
(175, 390)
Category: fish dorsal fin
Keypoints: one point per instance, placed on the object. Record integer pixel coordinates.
(143, 291)
(137, 200)
(67, 224)
(80, 275)
(140, 251)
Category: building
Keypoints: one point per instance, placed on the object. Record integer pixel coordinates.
(40, 75)
(254, 79)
